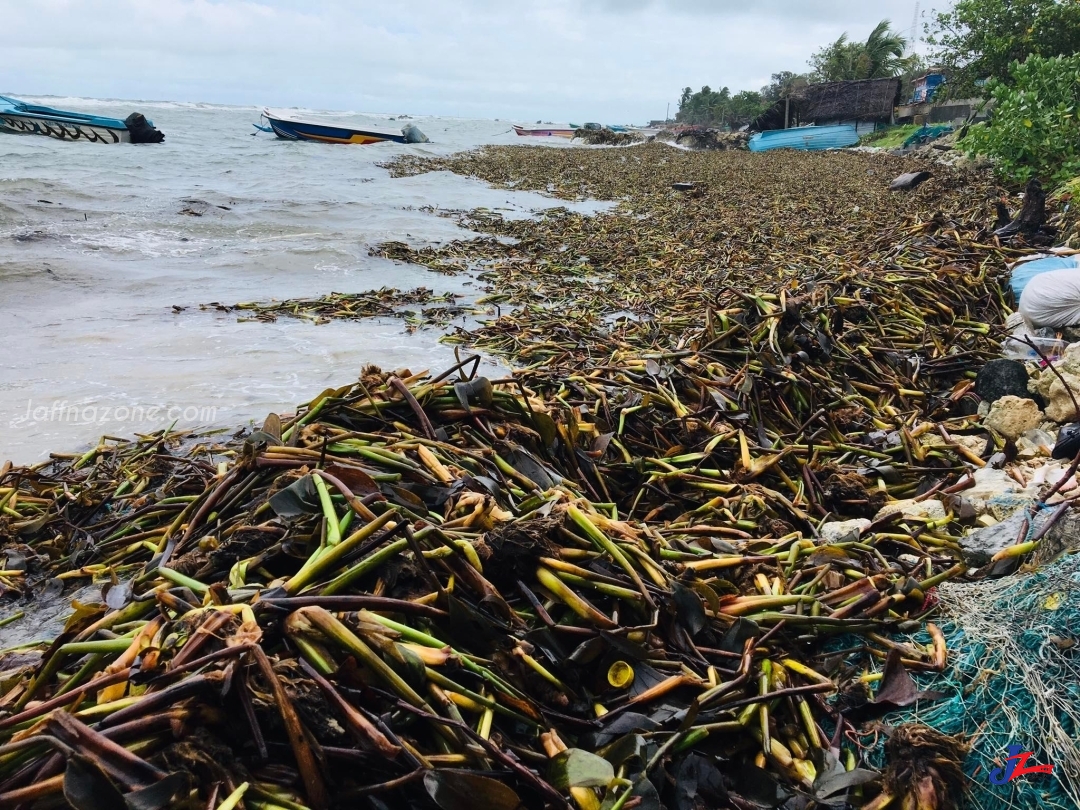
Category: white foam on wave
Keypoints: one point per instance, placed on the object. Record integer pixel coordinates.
(78, 102)
(154, 244)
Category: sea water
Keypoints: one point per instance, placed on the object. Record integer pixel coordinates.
(98, 244)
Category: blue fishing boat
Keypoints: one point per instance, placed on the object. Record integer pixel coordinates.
(18, 117)
(805, 138)
(295, 128)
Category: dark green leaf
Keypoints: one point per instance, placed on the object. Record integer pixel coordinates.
(577, 768)
(690, 612)
(299, 498)
(461, 790)
(528, 466)
(259, 438)
(620, 725)
(160, 794)
(479, 389)
(118, 595)
(272, 427)
(86, 787)
(833, 784)
(358, 481)
(626, 749)
(699, 784)
(545, 426)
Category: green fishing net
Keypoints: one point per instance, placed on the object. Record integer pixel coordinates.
(1013, 678)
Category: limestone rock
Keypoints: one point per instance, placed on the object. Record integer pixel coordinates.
(844, 531)
(1055, 392)
(926, 510)
(1012, 416)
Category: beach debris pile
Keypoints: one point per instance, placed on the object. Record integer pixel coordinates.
(743, 427)
(702, 137)
(444, 581)
(608, 137)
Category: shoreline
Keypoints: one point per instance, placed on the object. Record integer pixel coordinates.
(704, 381)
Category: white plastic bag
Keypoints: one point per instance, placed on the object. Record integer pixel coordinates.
(1052, 299)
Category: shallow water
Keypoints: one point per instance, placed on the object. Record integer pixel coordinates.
(97, 243)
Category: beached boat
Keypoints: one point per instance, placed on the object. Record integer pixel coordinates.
(295, 128)
(18, 117)
(545, 131)
(805, 138)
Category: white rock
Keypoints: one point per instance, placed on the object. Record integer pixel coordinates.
(1034, 444)
(997, 494)
(844, 531)
(990, 482)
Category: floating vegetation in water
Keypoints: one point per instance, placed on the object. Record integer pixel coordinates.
(606, 582)
(384, 302)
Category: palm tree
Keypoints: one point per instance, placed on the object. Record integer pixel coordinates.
(884, 51)
(881, 56)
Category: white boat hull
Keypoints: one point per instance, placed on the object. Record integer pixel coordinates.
(32, 125)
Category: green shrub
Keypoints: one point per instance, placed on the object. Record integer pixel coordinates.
(1035, 127)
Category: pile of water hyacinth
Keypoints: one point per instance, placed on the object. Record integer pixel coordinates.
(601, 583)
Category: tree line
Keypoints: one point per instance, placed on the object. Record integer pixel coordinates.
(974, 43)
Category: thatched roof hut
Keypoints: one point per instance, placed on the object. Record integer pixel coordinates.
(865, 100)
(866, 103)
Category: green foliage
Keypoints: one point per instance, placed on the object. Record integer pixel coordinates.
(890, 138)
(719, 107)
(980, 39)
(783, 84)
(1035, 130)
(881, 56)
(746, 106)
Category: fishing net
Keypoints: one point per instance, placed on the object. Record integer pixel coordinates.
(1013, 678)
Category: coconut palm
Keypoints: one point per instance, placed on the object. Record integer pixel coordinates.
(881, 56)
(884, 51)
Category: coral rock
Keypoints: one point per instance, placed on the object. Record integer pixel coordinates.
(1012, 416)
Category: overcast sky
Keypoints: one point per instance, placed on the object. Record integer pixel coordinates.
(607, 60)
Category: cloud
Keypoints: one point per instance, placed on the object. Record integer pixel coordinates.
(611, 60)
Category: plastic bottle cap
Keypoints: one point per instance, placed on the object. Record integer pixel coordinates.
(620, 675)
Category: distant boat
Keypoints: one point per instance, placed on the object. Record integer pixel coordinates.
(19, 118)
(836, 137)
(545, 131)
(294, 128)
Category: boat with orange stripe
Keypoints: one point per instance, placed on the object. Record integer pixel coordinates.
(295, 128)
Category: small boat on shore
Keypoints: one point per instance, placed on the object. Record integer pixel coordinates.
(545, 131)
(807, 138)
(19, 118)
(295, 128)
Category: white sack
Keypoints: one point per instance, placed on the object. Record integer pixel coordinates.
(1052, 299)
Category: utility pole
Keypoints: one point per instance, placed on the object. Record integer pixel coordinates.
(667, 113)
(913, 34)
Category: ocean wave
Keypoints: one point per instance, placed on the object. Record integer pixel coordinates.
(78, 102)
